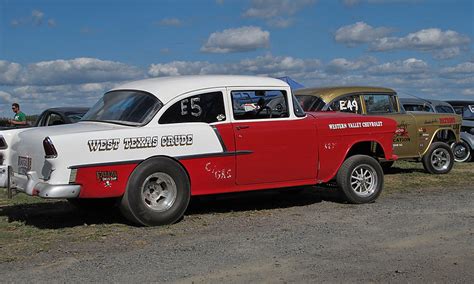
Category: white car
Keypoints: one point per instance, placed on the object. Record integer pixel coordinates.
(153, 143)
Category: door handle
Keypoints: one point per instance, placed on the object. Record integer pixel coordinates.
(239, 127)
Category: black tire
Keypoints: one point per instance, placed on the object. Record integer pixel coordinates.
(349, 172)
(461, 151)
(439, 159)
(386, 165)
(157, 176)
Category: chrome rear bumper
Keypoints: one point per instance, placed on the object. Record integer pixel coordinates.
(31, 185)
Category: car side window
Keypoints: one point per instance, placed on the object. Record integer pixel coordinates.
(380, 103)
(55, 119)
(208, 108)
(458, 110)
(444, 109)
(259, 104)
(349, 103)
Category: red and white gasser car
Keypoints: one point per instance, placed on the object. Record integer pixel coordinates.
(153, 144)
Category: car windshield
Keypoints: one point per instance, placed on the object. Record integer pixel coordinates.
(75, 116)
(468, 112)
(124, 107)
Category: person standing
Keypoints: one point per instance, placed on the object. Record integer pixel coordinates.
(20, 118)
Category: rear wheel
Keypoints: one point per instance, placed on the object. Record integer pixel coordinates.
(461, 151)
(360, 179)
(158, 193)
(439, 159)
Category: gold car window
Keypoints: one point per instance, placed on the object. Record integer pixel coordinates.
(346, 104)
(380, 103)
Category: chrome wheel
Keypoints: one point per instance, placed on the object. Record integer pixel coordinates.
(159, 192)
(440, 159)
(364, 180)
(461, 151)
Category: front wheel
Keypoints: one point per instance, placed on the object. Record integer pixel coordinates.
(158, 193)
(461, 151)
(360, 179)
(439, 159)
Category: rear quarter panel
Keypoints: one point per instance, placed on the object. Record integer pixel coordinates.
(339, 132)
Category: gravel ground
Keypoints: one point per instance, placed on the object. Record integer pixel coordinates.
(422, 236)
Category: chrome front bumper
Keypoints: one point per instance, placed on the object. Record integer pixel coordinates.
(31, 185)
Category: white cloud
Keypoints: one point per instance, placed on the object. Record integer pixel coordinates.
(424, 40)
(261, 65)
(276, 13)
(171, 22)
(9, 72)
(51, 23)
(237, 40)
(356, 2)
(266, 9)
(176, 68)
(468, 92)
(462, 68)
(74, 71)
(408, 66)
(442, 44)
(462, 73)
(360, 32)
(341, 65)
(36, 18)
(6, 97)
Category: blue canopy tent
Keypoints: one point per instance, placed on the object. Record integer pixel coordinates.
(293, 84)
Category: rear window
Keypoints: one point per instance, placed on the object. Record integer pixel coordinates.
(310, 103)
(125, 107)
(444, 109)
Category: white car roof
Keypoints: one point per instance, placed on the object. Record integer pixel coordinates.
(167, 88)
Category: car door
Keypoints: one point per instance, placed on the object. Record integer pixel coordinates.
(405, 140)
(272, 144)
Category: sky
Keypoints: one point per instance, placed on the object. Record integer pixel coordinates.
(69, 52)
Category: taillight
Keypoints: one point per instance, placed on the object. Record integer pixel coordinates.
(49, 150)
(3, 143)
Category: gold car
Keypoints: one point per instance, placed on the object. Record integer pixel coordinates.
(419, 136)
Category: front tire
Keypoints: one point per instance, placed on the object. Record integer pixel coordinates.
(158, 193)
(439, 159)
(360, 179)
(461, 151)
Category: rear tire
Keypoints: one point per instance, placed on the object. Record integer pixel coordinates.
(439, 159)
(158, 193)
(461, 151)
(360, 179)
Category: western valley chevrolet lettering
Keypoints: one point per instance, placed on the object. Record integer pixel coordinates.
(176, 140)
(365, 124)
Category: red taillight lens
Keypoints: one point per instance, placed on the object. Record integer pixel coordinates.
(49, 150)
(3, 143)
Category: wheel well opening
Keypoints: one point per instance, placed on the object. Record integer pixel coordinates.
(445, 135)
(174, 160)
(369, 148)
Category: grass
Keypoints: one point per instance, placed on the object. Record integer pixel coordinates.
(408, 176)
(31, 225)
